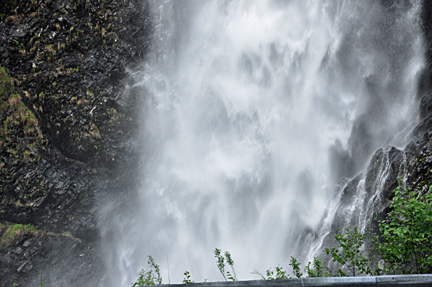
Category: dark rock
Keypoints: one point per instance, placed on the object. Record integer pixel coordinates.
(17, 250)
(6, 260)
(68, 61)
(363, 205)
(22, 266)
(28, 266)
(366, 198)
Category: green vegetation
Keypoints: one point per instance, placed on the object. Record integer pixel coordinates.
(20, 134)
(41, 281)
(187, 279)
(94, 131)
(6, 83)
(317, 269)
(31, 228)
(277, 274)
(352, 256)
(296, 267)
(404, 246)
(221, 264)
(17, 115)
(9, 233)
(146, 278)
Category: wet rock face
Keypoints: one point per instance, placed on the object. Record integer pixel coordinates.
(27, 249)
(67, 133)
(365, 199)
(71, 57)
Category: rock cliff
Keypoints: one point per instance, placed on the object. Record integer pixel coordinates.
(68, 121)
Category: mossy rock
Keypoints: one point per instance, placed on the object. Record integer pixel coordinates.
(11, 233)
(6, 83)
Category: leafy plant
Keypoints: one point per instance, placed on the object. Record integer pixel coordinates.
(317, 269)
(406, 245)
(351, 255)
(147, 278)
(280, 274)
(271, 275)
(187, 279)
(41, 281)
(232, 276)
(221, 264)
(296, 267)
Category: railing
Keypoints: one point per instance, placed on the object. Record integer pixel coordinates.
(387, 281)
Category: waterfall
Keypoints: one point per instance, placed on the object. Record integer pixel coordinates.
(253, 111)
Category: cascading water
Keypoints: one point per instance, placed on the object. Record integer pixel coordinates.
(254, 110)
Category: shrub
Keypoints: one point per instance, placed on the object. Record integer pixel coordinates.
(351, 254)
(271, 275)
(296, 267)
(405, 244)
(317, 269)
(147, 278)
(280, 274)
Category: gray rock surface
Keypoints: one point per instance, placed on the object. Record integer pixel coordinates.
(67, 134)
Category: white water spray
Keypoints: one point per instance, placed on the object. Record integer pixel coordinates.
(254, 109)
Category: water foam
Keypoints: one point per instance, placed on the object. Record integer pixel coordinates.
(254, 109)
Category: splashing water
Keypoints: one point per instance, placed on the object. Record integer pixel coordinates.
(254, 110)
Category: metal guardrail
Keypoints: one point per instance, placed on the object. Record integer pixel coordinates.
(386, 281)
